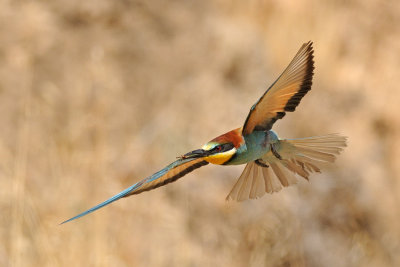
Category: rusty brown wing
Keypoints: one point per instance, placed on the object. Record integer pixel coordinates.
(284, 94)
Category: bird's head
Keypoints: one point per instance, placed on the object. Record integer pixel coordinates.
(213, 152)
(219, 150)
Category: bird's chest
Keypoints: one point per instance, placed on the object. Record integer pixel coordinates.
(257, 144)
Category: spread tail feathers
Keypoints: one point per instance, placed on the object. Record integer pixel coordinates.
(298, 156)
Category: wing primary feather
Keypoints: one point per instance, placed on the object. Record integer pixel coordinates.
(279, 173)
(244, 191)
(257, 188)
(267, 180)
(285, 94)
(305, 86)
(167, 175)
(105, 203)
(234, 194)
(171, 179)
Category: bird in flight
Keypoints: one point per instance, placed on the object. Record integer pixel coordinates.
(271, 162)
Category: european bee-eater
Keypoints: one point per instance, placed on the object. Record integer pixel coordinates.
(270, 162)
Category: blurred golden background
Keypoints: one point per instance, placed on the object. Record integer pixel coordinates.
(96, 95)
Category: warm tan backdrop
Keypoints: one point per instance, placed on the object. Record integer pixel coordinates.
(95, 95)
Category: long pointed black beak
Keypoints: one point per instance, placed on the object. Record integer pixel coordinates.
(198, 153)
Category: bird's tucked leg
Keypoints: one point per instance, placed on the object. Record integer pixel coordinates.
(260, 163)
(276, 154)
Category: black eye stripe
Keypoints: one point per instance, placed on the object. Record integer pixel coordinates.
(222, 148)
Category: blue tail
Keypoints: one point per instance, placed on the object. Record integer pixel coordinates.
(105, 203)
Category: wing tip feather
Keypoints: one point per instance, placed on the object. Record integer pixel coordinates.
(305, 86)
(303, 60)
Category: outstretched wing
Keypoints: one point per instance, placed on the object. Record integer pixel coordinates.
(167, 175)
(301, 156)
(284, 94)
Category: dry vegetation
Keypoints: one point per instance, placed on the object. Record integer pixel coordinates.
(95, 95)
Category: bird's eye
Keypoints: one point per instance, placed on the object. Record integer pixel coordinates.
(219, 148)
